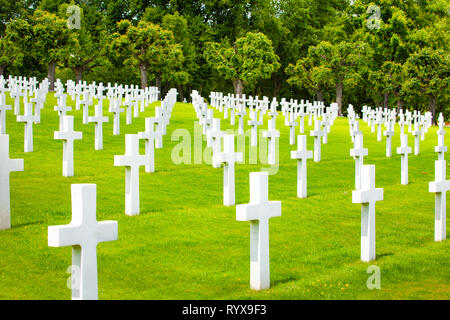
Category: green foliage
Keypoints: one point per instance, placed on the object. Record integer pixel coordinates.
(14, 43)
(250, 59)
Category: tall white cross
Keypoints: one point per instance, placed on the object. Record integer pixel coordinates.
(389, 133)
(441, 148)
(7, 165)
(254, 123)
(86, 102)
(302, 155)
(3, 108)
(29, 118)
(416, 133)
(404, 150)
(132, 160)
(62, 108)
(128, 104)
(272, 134)
(440, 187)
(317, 134)
(358, 152)
(159, 120)
(99, 119)
(216, 139)
(368, 195)
(83, 233)
(241, 113)
(292, 124)
(68, 135)
(117, 110)
(258, 211)
(228, 157)
(150, 135)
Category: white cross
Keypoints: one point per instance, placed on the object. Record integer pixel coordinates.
(292, 124)
(358, 152)
(62, 108)
(117, 110)
(258, 211)
(254, 123)
(241, 113)
(404, 150)
(29, 118)
(440, 186)
(3, 108)
(368, 195)
(132, 160)
(317, 133)
(99, 119)
(83, 233)
(326, 128)
(302, 155)
(128, 104)
(271, 134)
(7, 165)
(159, 120)
(416, 133)
(389, 133)
(68, 135)
(150, 135)
(215, 134)
(228, 157)
(86, 102)
(441, 148)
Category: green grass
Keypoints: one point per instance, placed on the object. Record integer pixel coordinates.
(186, 245)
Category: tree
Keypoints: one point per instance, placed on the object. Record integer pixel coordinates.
(309, 74)
(249, 60)
(88, 43)
(428, 74)
(341, 62)
(52, 37)
(13, 43)
(150, 47)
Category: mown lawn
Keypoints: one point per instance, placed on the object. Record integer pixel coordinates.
(186, 245)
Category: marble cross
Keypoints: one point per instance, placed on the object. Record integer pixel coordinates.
(150, 135)
(117, 110)
(440, 187)
(416, 133)
(317, 134)
(159, 120)
(7, 165)
(98, 119)
(68, 135)
(254, 123)
(441, 148)
(241, 113)
(62, 108)
(358, 153)
(83, 234)
(132, 160)
(3, 108)
(368, 195)
(404, 150)
(258, 211)
(228, 158)
(29, 118)
(271, 134)
(302, 155)
(216, 139)
(389, 133)
(292, 124)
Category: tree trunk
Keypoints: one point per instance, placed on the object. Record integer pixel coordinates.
(385, 99)
(238, 87)
(276, 85)
(180, 93)
(399, 105)
(432, 107)
(2, 69)
(339, 89)
(143, 73)
(158, 85)
(319, 95)
(78, 74)
(51, 75)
